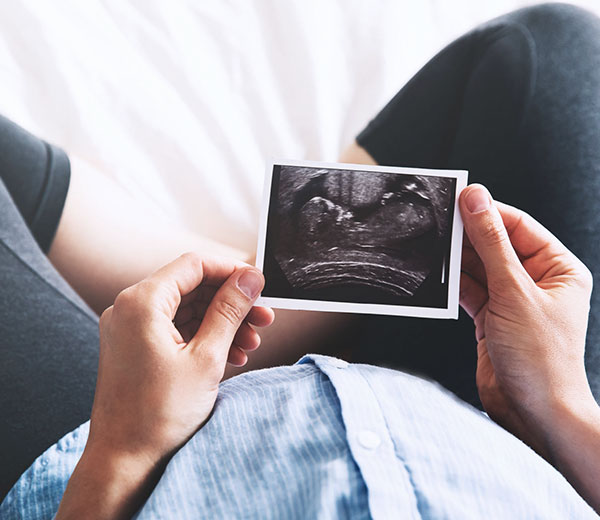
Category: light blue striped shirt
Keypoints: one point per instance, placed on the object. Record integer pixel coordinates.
(325, 439)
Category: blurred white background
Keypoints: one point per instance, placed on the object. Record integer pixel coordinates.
(181, 102)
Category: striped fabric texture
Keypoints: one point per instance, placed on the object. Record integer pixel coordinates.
(325, 439)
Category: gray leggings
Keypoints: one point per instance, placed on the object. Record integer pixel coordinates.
(516, 102)
(48, 336)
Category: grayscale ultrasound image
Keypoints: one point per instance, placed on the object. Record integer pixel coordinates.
(358, 236)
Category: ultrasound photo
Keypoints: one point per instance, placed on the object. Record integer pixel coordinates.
(376, 238)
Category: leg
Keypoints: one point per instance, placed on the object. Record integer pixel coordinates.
(106, 241)
(48, 336)
(516, 103)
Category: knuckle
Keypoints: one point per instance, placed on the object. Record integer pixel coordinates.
(135, 299)
(125, 299)
(510, 288)
(229, 311)
(105, 321)
(210, 359)
(471, 262)
(586, 278)
(493, 234)
(193, 258)
(105, 316)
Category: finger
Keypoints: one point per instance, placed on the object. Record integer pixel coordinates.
(190, 269)
(489, 237)
(200, 307)
(537, 247)
(202, 293)
(473, 266)
(236, 356)
(225, 314)
(471, 263)
(473, 295)
(188, 298)
(181, 276)
(189, 329)
(261, 316)
(246, 337)
(466, 242)
(527, 235)
(479, 320)
(183, 315)
(258, 316)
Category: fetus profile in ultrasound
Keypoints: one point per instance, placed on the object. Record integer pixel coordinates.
(359, 236)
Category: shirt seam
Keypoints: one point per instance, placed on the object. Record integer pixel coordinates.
(418, 499)
(418, 502)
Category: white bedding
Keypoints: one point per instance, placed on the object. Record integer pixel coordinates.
(183, 101)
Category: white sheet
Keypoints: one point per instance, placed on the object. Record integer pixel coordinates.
(182, 102)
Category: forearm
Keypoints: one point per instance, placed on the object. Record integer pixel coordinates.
(106, 486)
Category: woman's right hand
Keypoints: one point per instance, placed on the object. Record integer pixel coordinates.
(164, 345)
(529, 298)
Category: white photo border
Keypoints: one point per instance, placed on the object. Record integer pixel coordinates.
(449, 312)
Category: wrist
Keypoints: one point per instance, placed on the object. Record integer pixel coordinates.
(552, 422)
(113, 466)
(572, 440)
(108, 484)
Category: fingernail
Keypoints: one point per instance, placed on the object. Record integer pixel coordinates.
(250, 283)
(478, 199)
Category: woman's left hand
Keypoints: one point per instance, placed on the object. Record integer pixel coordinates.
(163, 350)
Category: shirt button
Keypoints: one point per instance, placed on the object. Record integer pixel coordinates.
(368, 440)
(338, 363)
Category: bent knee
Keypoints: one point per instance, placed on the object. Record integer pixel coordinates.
(561, 13)
(558, 19)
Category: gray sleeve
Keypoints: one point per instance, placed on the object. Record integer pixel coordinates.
(36, 174)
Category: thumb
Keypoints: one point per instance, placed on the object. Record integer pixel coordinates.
(487, 233)
(226, 312)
